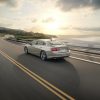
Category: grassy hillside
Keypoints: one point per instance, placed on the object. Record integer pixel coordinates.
(21, 34)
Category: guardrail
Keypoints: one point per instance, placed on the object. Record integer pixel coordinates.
(22, 41)
(89, 49)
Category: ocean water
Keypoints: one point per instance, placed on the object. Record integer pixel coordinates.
(89, 39)
(93, 42)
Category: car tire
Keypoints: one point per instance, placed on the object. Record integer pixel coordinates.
(43, 56)
(26, 50)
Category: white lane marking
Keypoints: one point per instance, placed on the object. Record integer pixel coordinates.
(85, 60)
(86, 55)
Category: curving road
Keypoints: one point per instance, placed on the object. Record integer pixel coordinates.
(77, 77)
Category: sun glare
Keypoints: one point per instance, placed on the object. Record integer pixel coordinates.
(53, 26)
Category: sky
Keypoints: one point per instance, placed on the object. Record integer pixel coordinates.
(55, 17)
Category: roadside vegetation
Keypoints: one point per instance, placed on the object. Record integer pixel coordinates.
(23, 35)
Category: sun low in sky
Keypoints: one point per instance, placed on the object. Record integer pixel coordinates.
(56, 17)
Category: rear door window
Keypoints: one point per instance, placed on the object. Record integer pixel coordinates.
(40, 43)
(55, 43)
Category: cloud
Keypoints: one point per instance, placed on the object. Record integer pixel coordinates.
(34, 20)
(5, 24)
(11, 3)
(92, 29)
(65, 28)
(48, 20)
(67, 5)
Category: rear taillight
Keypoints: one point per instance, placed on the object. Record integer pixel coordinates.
(54, 49)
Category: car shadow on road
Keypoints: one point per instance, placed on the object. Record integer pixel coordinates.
(59, 72)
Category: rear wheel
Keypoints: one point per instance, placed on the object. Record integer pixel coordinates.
(26, 50)
(43, 55)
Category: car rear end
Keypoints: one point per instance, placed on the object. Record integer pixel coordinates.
(58, 50)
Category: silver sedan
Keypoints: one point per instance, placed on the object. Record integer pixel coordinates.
(46, 49)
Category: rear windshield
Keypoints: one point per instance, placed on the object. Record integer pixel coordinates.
(55, 43)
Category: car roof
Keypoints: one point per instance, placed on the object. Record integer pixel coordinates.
(44, 40)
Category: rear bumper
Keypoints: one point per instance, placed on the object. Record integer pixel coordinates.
(57, 55)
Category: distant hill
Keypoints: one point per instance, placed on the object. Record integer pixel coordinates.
(4, 30)
(19, 34)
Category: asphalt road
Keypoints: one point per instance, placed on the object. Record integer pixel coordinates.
(77, 77)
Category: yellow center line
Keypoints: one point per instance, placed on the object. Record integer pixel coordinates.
(62, 95)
